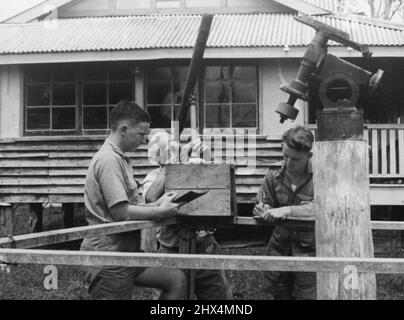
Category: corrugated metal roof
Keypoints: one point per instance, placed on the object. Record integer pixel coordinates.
(179, 31)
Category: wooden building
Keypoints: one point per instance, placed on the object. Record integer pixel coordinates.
(65, 64)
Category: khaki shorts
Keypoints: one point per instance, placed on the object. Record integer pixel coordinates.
(112, 283)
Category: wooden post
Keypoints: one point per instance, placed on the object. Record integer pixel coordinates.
(16, 220)
(187, 245)
(38, 210)
(6, 220)
(343, 227)
(148, 240)
(68, 215)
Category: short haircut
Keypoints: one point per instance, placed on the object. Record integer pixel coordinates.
(128, 110)
(299, 138)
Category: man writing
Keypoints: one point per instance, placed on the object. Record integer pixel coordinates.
(288, 192)
(110, 195)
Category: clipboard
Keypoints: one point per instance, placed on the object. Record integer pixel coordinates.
(188, 196)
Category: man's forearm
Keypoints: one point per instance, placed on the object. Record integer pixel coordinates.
(144, 212)
(302, 211)
(155, 191)
(125, 212)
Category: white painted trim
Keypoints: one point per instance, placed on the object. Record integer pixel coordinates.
(260, 98)
(139, 86)
(36, 11)
(186, 53)
(303, 7)
(385, 195)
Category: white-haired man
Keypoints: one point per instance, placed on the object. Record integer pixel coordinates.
(209, 284)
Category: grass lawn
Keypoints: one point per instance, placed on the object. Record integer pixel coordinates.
(26, 282)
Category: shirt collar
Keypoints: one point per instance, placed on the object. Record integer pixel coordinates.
(308, 170)
(116, 149)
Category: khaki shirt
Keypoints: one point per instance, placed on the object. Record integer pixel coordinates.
(277, 191)
(109, 181)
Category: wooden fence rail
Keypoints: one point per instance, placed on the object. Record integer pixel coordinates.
(201, 261)
(59, 236)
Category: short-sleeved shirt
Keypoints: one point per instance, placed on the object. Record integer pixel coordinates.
(109, 181)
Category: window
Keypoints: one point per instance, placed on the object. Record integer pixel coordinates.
(50, 98)
(164, 93)
(230, 98)
(103, 88)
(57, 95)
(78, 98)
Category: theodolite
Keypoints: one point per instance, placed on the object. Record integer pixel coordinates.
(341, 84)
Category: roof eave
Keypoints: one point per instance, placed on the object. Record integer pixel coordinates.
(304, 7)
(36, 11)
(186, 53)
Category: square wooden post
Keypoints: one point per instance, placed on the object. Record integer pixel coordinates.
(187, 245)
(6, 220)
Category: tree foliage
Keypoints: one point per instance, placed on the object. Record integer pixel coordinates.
(386, 9)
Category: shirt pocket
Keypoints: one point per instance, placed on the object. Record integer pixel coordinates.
(304, 197)
(282, 198)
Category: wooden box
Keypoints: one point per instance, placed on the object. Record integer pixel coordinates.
(217, 178)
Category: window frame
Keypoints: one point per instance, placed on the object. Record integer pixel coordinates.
(79, 106)
(230, 104)
(171, 65)
(108, 105)
(50, 132)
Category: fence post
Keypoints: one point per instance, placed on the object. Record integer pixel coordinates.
(6, 220)
(343, 227)
(16, 220)
(148, 240)
(187, 245)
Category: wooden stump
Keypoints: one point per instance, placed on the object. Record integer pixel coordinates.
(343, 229)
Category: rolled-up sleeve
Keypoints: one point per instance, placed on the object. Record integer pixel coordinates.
(266, 193)
(111, 177)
